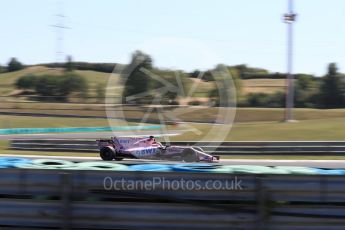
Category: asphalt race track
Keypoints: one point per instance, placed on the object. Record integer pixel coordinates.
(95, 135)
(306, 163)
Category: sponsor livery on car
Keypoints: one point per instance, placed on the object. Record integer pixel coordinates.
(119, 148)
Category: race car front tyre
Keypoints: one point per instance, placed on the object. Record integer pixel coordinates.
(107, 153)
(188, 155)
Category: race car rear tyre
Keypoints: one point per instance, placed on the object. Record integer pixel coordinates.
(188, 155)
(107, 153)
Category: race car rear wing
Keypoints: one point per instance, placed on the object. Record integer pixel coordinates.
(106, 142)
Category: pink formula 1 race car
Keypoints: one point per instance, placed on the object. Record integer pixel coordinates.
(119, 148)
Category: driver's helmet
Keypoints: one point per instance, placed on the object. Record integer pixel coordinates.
(151, 139)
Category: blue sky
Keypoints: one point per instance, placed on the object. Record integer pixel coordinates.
(177, 33)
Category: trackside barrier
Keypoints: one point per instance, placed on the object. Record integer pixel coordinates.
(8, 162)
(76, 129)
(335, 148)
(84, 199)
(13, 162)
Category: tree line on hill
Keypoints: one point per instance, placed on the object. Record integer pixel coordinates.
(15, 65)
(55, 87)
(12, 65)
(99, 67)
(310, 91)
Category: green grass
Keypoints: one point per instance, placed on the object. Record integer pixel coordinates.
(277, 114)
(94, 77)
(313, 130)
(323, 129)
(4, 144)
(251, 124)
(249, 115)
(208, 114)
(41, 122)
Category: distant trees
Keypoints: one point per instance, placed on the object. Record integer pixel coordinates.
(27, 82)
(246, 72)
(99, 67)
(69, 64)
(274, 100)
(310, 92)
(332, 91)
(54, 87)
(306, 91)
(205, 76)
(14, 65)
(137, 79)
(2, 69)
(195, 73)
(227, 84)
(140, 83)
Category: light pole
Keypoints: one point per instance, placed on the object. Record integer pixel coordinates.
(289, 18)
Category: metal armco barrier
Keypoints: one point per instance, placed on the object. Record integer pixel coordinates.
(85, 200)
(223, 148)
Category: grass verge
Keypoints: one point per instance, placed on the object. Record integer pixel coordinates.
(54, 122)
(307, 130)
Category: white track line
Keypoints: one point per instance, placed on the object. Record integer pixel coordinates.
(281, 161)
(50, 157)
(224, 160)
